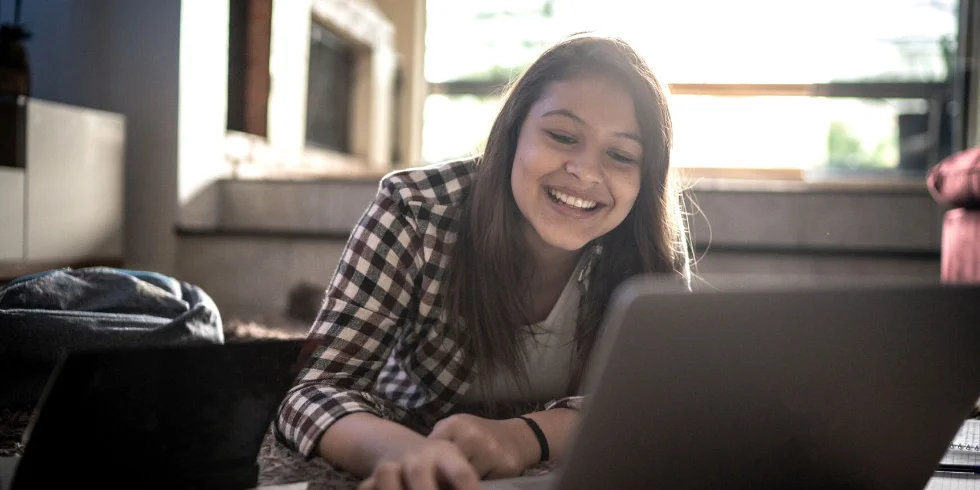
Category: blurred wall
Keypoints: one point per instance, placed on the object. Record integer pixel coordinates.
(161, 64)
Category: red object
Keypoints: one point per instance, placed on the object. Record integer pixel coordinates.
(955, 182)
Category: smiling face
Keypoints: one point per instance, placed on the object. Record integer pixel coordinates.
(576, 170)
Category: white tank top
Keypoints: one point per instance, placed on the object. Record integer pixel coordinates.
(549, 355)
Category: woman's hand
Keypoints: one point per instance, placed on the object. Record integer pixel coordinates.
(433, 464)
(496, 448)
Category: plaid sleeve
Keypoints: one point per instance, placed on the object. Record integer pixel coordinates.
(357, 324)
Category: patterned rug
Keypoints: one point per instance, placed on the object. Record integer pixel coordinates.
(13, 421)
(278, 465)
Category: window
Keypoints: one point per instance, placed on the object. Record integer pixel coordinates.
(329, 90)
(249, 27)
(237, 59)
(838, 84)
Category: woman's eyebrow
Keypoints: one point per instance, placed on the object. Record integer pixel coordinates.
(571, 115)
(566, 113)
(632, 136)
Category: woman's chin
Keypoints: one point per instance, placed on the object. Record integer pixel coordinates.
(566, 244)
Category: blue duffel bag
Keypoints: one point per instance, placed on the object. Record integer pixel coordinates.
(46, 315)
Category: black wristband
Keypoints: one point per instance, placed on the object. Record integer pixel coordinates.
(542, 440)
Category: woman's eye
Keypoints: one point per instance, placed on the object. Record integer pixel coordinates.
(565, 140)
(619, 157)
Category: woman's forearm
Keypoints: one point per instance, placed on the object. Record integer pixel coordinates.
(359, 441)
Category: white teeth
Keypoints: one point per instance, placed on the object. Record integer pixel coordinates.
(572, 201)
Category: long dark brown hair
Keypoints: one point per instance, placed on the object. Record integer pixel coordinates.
(486, 294)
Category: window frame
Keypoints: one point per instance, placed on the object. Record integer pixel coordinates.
(956, 97)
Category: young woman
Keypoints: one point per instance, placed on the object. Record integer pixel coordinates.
(477, 284)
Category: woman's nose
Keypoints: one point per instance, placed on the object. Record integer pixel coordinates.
(586, 166)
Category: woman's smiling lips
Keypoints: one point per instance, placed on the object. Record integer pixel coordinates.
(572, 204)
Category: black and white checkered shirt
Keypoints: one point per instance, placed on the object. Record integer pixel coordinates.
(381, 345)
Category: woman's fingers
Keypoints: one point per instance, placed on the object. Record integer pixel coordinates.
(485, 443)
(468, 438)
(481, 461)
(504, 469)
(424, 469)
(419, 473)
(459, 473)
(388, 476)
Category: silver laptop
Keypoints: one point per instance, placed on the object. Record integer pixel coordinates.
(774, 383)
